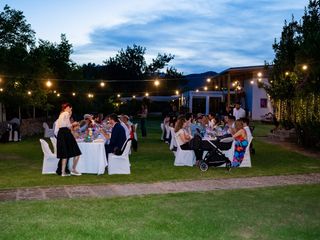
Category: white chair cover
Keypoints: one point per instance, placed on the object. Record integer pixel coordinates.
(135, 131)
(184, 157)
(162, 131)
(173, 142)
(167, 127)
(50, 162)
(120, 164)
(246, 162)
(48, 132)
(54, 144)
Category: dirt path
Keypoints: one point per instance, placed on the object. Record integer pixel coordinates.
(115, 190)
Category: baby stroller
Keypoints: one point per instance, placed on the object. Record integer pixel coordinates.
(215, 157)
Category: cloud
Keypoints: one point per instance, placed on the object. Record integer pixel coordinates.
(203, 35)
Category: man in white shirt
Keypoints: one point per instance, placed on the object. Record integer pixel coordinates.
(239, 112)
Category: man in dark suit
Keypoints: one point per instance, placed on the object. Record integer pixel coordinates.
(118, 135)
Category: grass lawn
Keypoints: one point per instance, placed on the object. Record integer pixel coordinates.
(21, 163)
(290, 212)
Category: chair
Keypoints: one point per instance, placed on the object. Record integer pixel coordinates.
(167, 137)
(173, 143)
(54, 144)
(135, 131)
(48, 132)
(162, 131)
(184, 157)
(120, 164)
(246, 162)
(50, 162)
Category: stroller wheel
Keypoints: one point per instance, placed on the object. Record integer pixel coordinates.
(203, 166)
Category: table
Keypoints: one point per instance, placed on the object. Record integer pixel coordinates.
(93, 158)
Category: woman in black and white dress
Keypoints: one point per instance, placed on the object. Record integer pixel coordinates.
(67, 146)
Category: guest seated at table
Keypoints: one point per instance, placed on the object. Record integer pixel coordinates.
(229, 125)
(126, 124)
(197, 127)
(117, 138)
(186, 141)
(241, 143)
(86, 123)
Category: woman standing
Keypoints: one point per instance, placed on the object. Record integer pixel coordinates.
(67, 146)
(241, 143)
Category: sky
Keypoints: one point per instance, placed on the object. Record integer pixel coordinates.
(203, 35)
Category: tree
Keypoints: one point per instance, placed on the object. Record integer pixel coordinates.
(294, 82)
(133, 74)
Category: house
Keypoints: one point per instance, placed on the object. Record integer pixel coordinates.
(239, 84)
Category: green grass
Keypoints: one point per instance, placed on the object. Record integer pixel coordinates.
(21, 163)
(270, 213)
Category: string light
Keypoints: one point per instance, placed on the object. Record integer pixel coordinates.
(48, 83)
(197, 90)
(259, 74)
(177, 92)
(134, 96)
(259, 79)
(1, 89)
(29, 92)
(208, 80)
(147, 94)
(156, 83)
(102, 84)
(287, 73)
(216, 87)
(251, 82)
(304, 67)
(73, 94)
(205, 88)
(54, 91)
(118, 95)
(58, 94)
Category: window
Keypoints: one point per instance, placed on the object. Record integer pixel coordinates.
(263, 102)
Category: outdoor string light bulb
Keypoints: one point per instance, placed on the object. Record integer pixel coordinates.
(216, 87)
(118, 95)
(1, 89)
(251, 82)
(205, 88)
(197, 90)
(49, 83)
(147, 94)
(304, 67)
(58, 94)
(54, 91)
(134, 96)
(29, 92)
(177, 92)
(208, 80)
(156, 83)
(259, 74)
(102, 84)
(259, 79)
(73, 94)
(287, 73)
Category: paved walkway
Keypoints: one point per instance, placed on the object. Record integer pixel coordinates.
(114, 190)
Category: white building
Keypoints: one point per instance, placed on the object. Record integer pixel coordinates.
(241, 84)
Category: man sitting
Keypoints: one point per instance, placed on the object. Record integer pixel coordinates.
(117, 138)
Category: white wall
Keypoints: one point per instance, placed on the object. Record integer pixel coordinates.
(257, 94)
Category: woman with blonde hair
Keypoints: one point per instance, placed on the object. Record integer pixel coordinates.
(241, 143)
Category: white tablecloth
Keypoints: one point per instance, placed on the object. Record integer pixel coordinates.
(93, 158)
